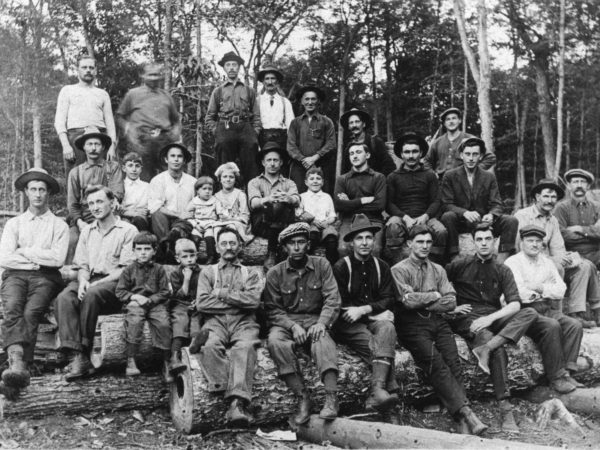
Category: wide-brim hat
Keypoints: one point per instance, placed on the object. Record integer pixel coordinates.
(311, 88)
(532, 230)
(186, 153)
(411, 136)
(579, 173)
(547, 183)
(92, 132)
(293, 230)
(269, 69)
(363, 115)
(450, 111)
(37, 174)
(271, 146)
(472, 141)
(231, 56)
(360, 223)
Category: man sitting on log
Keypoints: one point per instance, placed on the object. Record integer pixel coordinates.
(227, 297)
(366, 323)
(302, 303)
(103, 250)
(482, 320)
(32, 249)
(425, 293)
(542, 288)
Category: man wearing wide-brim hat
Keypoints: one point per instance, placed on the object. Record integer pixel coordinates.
(276, 112)
(579, 273)
(233, 117)
(95, 170)
(311, 139)
(356, 124)
(32, 249)
(443, 152)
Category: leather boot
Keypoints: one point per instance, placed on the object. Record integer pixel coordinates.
(379, 399)
(584, 323)
(303, 408)
(132, 369)
(596, 313)
(509, 424)
(237, 414)
(331, 407)
(198, 341)
(476, 426)
(80, 367)
(17, 375)
(482, 354)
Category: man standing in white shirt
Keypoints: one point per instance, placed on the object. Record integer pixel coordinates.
(276, 112)
(83, 105)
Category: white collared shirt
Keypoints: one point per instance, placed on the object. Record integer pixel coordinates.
(536, 271)
(166, 192)
(319, 204)
(135, 200)
(279, 115)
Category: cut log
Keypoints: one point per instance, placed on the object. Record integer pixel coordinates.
(582, 400)
(347, 433)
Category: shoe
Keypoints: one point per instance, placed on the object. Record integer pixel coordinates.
(379, 399)
(17, 375)
(331, 407)
(237, 414)
(482, 354)
(562, 385)
(476, 426)
(584, 323)
(509, 424)
(81, 366)
(175, 365)
(167, 373)
(132, 370)
(574, 382)
(596, 313)
(303, 409)
(198, 341)
(270, 260)
(462, 427)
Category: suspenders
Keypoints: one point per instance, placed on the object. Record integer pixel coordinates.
(347, 260)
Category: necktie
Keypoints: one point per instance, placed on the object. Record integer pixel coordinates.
(271, 101)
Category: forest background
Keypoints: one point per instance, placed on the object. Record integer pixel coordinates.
(525, 72)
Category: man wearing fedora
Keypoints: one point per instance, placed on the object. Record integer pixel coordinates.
(233, 117)
(311, 139)
(413, 198)
(443, 153)
(276, 112)
(356, 123)
(170, 191)
(272, 198)
(366, 322)
(95, 170)
(149, 119)
(579, 273)
(32, 249)
(470, 196)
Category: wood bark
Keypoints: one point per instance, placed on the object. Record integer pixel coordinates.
(389, 118)
(199, 123)
(561, 87)
(89, 45)
(582, 400)
(167, 42)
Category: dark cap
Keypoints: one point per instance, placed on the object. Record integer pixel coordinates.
(293, 230)
(450, 111)
(579, 173)
(411, 136)
(419, 229)
(547, 183)
(231, 56)
(360, 223)
(532, 230)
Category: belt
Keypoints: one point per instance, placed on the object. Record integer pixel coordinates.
(73, 130)
(235, 119)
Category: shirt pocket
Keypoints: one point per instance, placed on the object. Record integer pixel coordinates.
(289, 293)
(316, 133)
(314, 292)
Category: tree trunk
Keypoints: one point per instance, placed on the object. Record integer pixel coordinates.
(567, 143)
(561, 88)
(485, 77)
(340, 141)
(89, 45)
(581, 128)
(465, 98)
(540, 65)
(520, 123)
(36, 129)
(167, 42)
(199, 123)
(389, 119)
(372, 56)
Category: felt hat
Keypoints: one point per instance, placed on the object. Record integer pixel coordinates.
(472, 141)
(311, 88)
(411, 136)
(293, 230)
(360, 222)
(547, 183)
(269, 68)
(92, 132)
(532, 230)
(186, 153)
(579, 173)
(231, 56)
(271, 146)
(37, 174)
(449, 111)
(363, 115)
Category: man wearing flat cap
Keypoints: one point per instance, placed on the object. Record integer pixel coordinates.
(233, 117)
(149, 119)
(470, 196)
(443, 153)
(32, 249)
(302, 303)
(579, 273)
(276, 112)
(366, 323)
(541, 287)
(311, 140)
(356, 124)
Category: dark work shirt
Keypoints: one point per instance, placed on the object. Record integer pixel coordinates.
(232, 99)
(357, 185)
(585, 213)
(365, 287)
(177, 283)
(311, 136)
(149, 280)
(413, 192)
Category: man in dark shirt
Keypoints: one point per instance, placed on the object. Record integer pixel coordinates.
(360, 191)
(481, 319)
(413, 198)
(425, 293)
(302, 303)
(366, 323)
(233, 117)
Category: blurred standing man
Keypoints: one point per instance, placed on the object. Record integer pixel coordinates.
(276, 112)
(149, 119)
(82, 105)
(234, 119)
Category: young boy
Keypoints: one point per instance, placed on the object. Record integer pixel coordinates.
(144, 288)
(204, 215)
(134, 208)
(316, 208)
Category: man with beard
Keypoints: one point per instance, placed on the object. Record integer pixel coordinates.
(149, 119)
(276, 112)
(227, 298)
(356, 123)
(579, 273)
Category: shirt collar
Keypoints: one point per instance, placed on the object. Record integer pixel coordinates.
(130, 182)
(87, 165)
(236, 82)
(316, 115)
(576, 202)
(28, 215)
(221, 264)
(416, 261)
(118, 224)
(309, 265)
(279, 177)
(403, 169)
(354, 172)
(195, 268)
(358, 261)
(147, 264)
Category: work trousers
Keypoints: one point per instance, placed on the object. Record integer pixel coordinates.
(180, 319)
(270, 220)
(511, 328)
(26, 296)
(396, 234)
(161, 224)
(141, 140)
(430, 341)
(237, 142)
(583, 287)
(234, 375)
(142, 223)
(344, 247)
(157, 317)
(327, 165)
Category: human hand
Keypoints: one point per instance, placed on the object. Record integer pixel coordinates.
(353, 313)
(472, 216)
(409, 221)
(462, 309)
(421, 220)
(187, 273)
(68, 153)
(111, 154)
(299, 334)
(489, 218)
(310, 161)
(82, 289)
(367, 200)
(343, 196)
(316, 332)
(479, 324)
(576, 229)
(566, 260)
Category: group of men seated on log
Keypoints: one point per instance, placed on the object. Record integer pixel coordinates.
(123, 233)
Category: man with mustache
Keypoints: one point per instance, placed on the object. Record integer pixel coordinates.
(276, 112)
(412, 199)
(356, 123)
(579, 273)
(233, 117)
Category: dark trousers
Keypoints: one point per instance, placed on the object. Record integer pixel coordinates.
(396, 234)
(180, 319)
(505, 227)
(278, 135)
(511, 328)
(157, 317)
(237, 142)
(140, 140)
(269, 221)
(142, 223)
(327, 164)
(26, 295)
(429, 339)
(161, 224)
(77, 319)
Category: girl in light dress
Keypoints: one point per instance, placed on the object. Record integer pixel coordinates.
(204, 215)
(232, 203)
